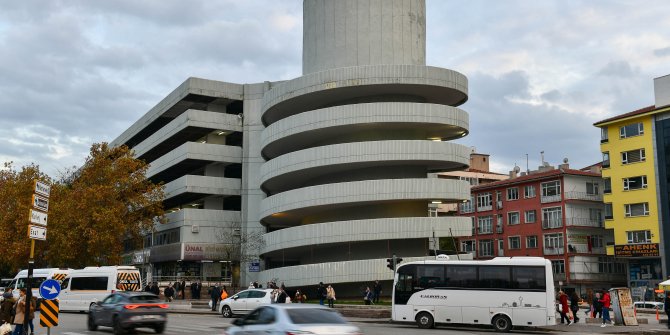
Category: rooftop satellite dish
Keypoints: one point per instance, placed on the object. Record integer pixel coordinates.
(516, 169)
(565, 160)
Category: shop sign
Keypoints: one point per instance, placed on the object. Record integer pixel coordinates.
(637, 250)
(205, 251)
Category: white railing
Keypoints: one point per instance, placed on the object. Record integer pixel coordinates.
(484, 208)
(554, 250)
(583, 196)
(550, 198)
(584, 222)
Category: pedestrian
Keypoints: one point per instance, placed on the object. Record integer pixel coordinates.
(606, 308)
(155, 289)
(251, 285)
(564, 308)
(182, 287)
(169, 293)
(31, 314)
(215, 295)
(596, 306)
(321, 293)
(298, 297)
(6, 306)
(367, 295)
(194, 289)
(574, 305)
(376, 291)
(176, 288)
(224, 293)
(199, 283)
(20, 313)
(281, 295)
(666, 306)
(330, 294)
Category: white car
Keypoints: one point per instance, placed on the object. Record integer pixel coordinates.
(281, 319)
(245, 301)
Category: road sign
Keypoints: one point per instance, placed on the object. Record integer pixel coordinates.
(255, 266)
(41, 203)
(42, 188)
(50, 289)
(38, 217)
(37, 232)
(49, 313)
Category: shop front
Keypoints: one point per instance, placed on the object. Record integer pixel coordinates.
(644, 269)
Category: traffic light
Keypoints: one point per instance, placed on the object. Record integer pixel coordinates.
(390, 264)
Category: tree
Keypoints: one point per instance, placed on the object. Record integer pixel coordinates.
(240, 246)
(16, 189)
(101, 206)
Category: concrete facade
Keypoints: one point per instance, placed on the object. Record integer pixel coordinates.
(329, 169)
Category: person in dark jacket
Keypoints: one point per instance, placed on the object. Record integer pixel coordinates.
(169, 293)
(182, 287)
(574, 305)
(321, 293)
(666, 306)
(215, 295)
(596, 306)
(6, 306)
(155, 290)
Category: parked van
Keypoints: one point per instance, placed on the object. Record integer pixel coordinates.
(82, 288)
(39, 276)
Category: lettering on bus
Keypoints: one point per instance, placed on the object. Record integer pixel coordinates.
(433, 296)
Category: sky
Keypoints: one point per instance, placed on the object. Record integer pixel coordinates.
(78, 72)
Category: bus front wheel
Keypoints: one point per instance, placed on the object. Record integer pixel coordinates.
(425, 320)
(502, 323)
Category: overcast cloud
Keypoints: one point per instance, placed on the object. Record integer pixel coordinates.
(73, 73)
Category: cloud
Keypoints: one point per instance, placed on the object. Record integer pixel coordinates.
(662, 52)
(620, 69)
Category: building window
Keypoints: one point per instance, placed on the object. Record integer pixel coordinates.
(596, 216)
(515, 242)
(486, 248)
(472, 180)
(639, 209)
(468, 206)
(513, 218)
(604, 137)
(529, 191)
(499, 224)
(608, 211)
(558, 266)
(551, 188)
(499, 200)
(592, 188)
(630, 130)
(633, 156)
(531, 242)
(639, 236)
(596, 241)
(468, 246)
(634, 183)
(552, 217)
(513, 193)
(606, 159)
(484, 224)
(484, 202)
(530, 216)
(608, 185)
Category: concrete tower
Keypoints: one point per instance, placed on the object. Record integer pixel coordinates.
(348, 147)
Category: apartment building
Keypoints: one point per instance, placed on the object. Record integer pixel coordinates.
(551, 213)
(636, 161)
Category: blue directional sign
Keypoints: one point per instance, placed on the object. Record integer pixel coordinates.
(50, 289)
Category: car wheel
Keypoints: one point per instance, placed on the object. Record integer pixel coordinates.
(159, 329)
(226, 312)
(425, 320)
(116, 324)
(90, 323)
(502, 323)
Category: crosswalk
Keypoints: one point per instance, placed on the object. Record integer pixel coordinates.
(171, 329)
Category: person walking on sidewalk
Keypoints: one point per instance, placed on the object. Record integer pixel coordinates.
(606, 308)
(666, 306)
(321, 293)
(215, 295)
(330, 294)
(565, 309)
(574, 305)
(376, 291)
(596, 306)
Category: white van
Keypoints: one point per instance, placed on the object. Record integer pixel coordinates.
(82, 288)
(39, 276)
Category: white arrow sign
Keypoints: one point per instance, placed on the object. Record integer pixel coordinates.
(38, 217)
(37, 232)
(52, 289)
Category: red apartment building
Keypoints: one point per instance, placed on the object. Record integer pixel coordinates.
(551, 213)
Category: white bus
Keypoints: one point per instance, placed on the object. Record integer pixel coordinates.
(84, 287)
(502, 292)
(39, 276)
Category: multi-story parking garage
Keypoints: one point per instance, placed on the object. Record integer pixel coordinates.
(331, 166)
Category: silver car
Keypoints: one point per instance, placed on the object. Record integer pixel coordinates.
(284, 319)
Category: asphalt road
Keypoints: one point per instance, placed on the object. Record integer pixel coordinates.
(75, 324)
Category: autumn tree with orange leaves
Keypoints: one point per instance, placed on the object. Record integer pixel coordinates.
(93, 211)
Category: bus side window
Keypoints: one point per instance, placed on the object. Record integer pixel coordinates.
(529, 278)
(461, 276)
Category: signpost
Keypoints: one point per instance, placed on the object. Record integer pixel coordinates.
(37, 230)
(50, 289)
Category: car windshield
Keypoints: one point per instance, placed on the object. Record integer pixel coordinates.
(144, 298)
(308, 315)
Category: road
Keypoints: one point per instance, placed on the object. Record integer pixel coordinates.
(75, 324)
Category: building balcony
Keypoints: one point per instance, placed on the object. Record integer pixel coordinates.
(550, 198)
(584, 249)
(583, 196)
(583, 222)
(484, 208)
(552, 224)
(554, 250)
